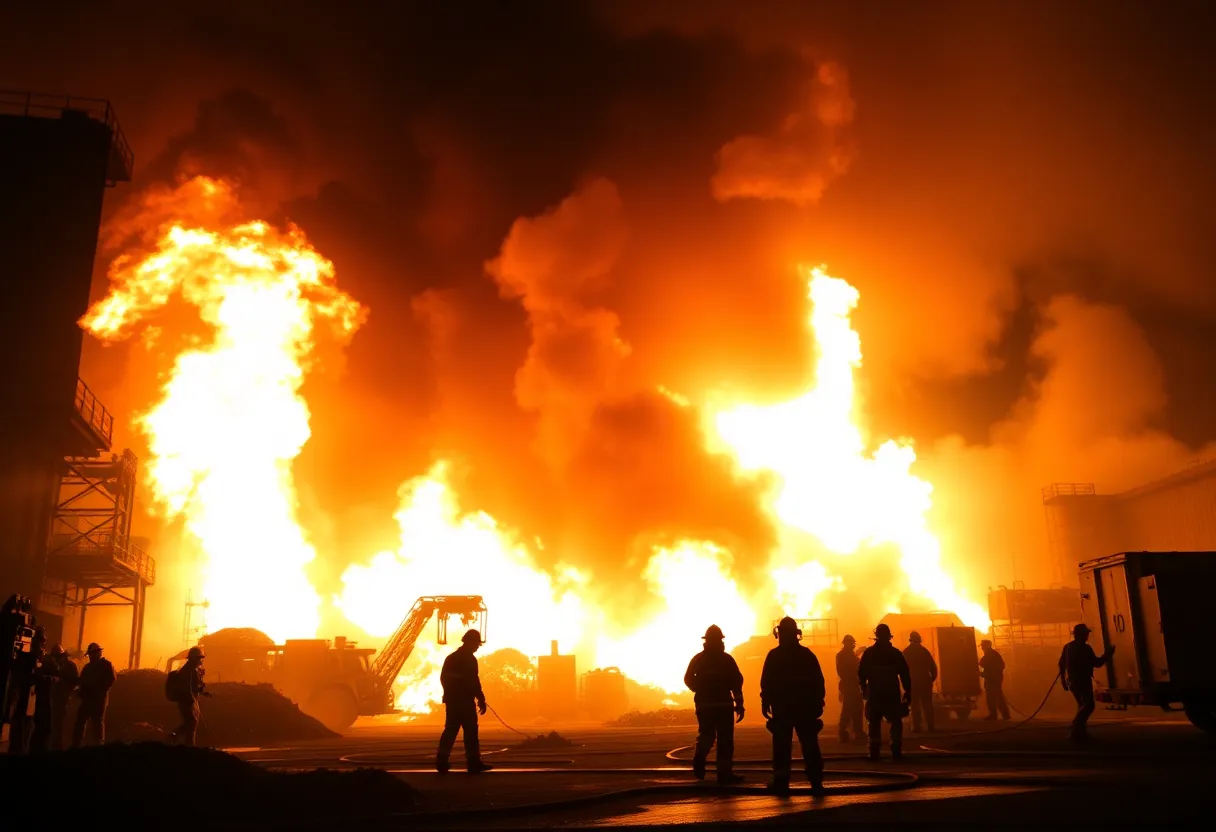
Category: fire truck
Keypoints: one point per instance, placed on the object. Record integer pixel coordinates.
(1153, 607)
(335, 682)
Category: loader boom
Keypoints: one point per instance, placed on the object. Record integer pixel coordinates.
(396, 652)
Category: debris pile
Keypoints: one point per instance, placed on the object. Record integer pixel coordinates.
(236, 714)
(654, 719)
(541, 742)
(166, 780)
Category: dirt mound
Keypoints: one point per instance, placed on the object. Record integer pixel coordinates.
(172, 786)
(235, 714)
(654, 719)
(541, 742)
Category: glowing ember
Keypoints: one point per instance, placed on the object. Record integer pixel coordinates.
(232, 418)
(830, 486)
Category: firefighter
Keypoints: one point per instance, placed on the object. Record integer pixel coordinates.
(96, 679)
(792, 693)
(851, 704)
(45, 676)
(66, 678)
(881, 672)
(189, 688)
(1077, 664)
(924, 673)
(717, 685)
(992, 671)
(461, 689)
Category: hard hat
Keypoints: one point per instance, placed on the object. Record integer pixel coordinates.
(986, 643)
(196, 653)
(57, 650)
(471, 636)
(94, 647)
(787, 627)
(848, 640)
(1081, 628)
(914, 637)
(882, 631)
(713, 633)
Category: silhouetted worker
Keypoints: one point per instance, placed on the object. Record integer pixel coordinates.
(992, 671)
(190, 687)
(717, 685)
(44, 682)
(1077, 664)
(96, 679)
(792, 693)
(66, 679)
(881, 672)
(924, 673)
(461, 689)
(851, 704)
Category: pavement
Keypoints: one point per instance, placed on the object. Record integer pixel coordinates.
(1143, 768)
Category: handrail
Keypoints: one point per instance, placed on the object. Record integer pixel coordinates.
(1068, 489)
(45, 105)
(94, 412)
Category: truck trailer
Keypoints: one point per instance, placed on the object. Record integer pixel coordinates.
(1153, 607)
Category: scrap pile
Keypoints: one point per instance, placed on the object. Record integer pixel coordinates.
(654, 719)
(235, 715)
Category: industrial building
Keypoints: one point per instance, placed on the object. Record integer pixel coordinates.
(65, 499)
(1176, 513)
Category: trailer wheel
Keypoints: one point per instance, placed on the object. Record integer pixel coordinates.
(1202, 715)
(334, 707)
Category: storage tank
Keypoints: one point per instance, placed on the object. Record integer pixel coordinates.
(556, 683)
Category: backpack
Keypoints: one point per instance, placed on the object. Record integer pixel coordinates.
(173, 685)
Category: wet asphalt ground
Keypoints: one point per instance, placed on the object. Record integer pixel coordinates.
(1144, 768)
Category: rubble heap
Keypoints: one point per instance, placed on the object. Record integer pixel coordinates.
(236, 714)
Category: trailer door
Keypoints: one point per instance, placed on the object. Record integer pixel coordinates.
(1123, 668)
(1091, 608)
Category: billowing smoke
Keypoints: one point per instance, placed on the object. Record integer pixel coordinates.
(1031, 258)
(802, 156)
(554, 265)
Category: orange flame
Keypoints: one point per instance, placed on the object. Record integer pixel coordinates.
(830, 485)
(232, 419)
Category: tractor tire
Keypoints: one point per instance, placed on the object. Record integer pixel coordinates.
(334, 707)
(1202, 715)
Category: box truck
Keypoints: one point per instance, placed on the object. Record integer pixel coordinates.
(1156, 609)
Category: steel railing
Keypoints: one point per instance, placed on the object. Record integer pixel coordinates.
(93, 412)
(129, 554)
(44, 105)
(1069, 489)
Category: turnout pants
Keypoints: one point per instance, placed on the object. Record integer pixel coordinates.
(995, 694)
(1083, 693)
(716, 723)
(892, 712)
(59, 721)
(922, 706)
(187, 732)
(90, 716)
(460, 718)
(784, 725)
(852, 706)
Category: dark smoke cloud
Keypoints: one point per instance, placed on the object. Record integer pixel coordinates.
(1026, 215)
(798, 161)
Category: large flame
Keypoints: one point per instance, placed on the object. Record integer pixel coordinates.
(831, 486)
(232, 419)
(446, 552)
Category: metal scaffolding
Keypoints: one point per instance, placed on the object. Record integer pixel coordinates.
(91, 560)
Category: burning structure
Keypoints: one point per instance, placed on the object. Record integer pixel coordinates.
(65, 507)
